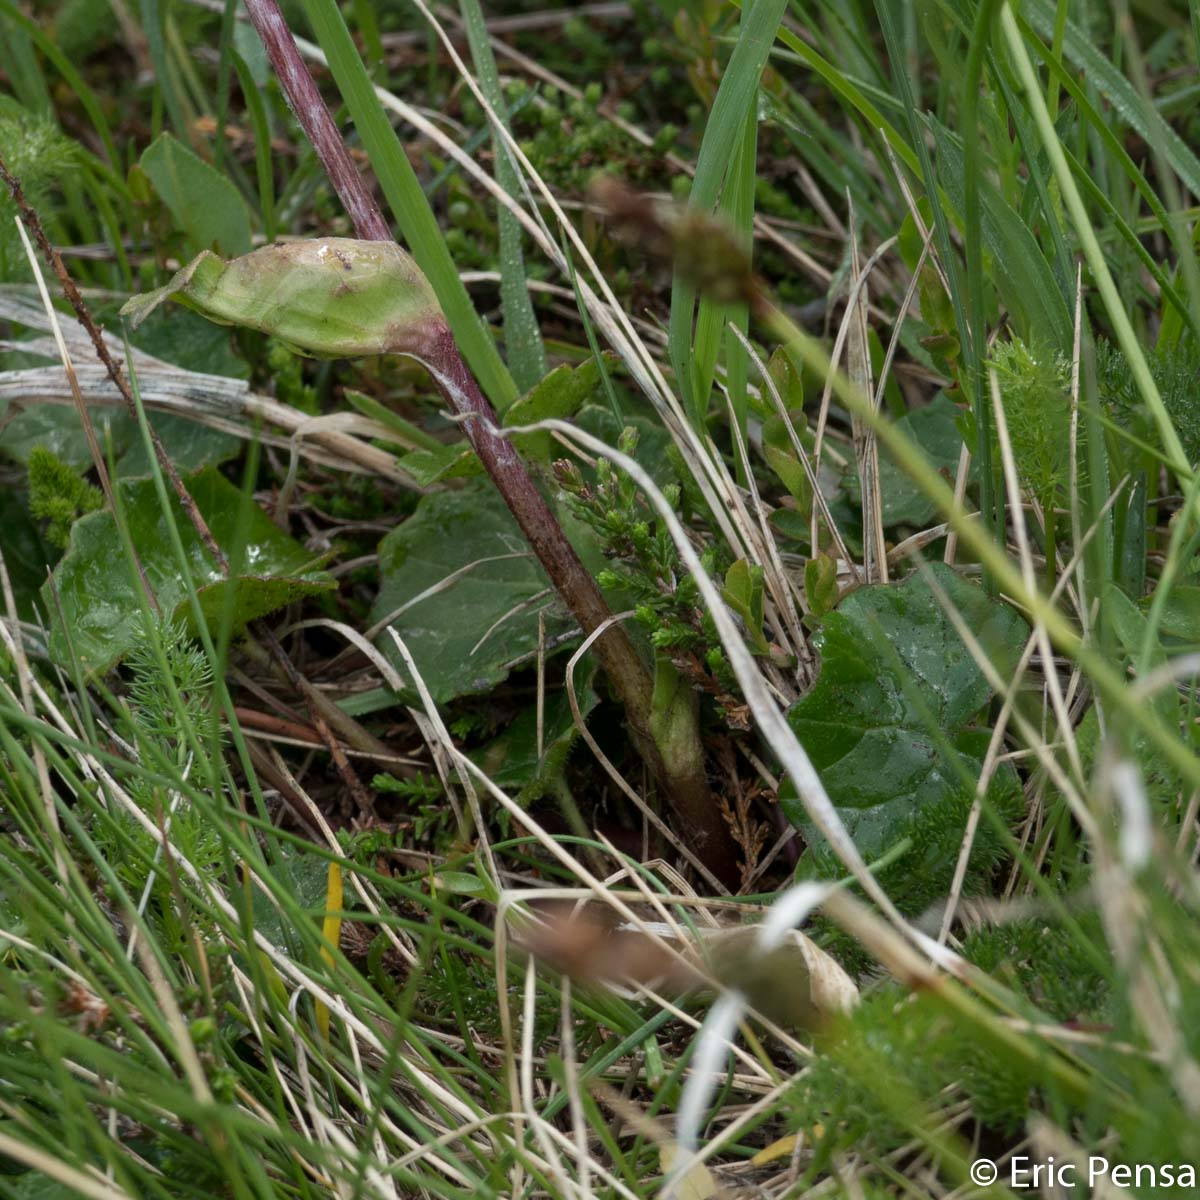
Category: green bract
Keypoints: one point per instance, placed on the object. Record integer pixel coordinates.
(326, 297)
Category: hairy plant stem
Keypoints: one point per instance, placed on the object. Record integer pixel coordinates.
(681, 776)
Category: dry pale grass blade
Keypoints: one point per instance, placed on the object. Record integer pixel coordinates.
(297, 975)
(442, 734)
(15, 644)
(1009, 694)
(1153, 989)
(215, 401)
(819, 500)
(602, 304)
(1032, 737)
(91, 1186)
(435, 589)
(1050, 1142)
(579, 1131)
(312, 428)
(914, 210)
(960, 495)
(716, 1035)
(400, 942)
(858, 280)
(783, 608)
(515, 611)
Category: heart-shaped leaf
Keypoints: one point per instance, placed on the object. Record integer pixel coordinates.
(465, 635)
(888, 725)
(97, 593)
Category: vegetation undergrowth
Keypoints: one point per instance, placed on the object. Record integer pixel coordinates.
(679, 682)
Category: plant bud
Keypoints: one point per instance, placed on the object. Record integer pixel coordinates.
(325, 297)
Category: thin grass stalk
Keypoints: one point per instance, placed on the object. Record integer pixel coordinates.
(991, 499)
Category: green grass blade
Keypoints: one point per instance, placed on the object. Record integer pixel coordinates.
(522, 337)
(734, 100)
(1122, 327)
(407, 202)
(263, 157)
(1080, 50)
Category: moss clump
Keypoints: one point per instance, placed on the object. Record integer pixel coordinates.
(58, 495)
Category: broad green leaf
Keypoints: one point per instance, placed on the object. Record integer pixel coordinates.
(1129, 623)
(789, 383)
(1161, 782)
(33, 1185)
(560, 394)
(1181, 613)
(888, 726)
(821, 585)
(189, 444)
(100, 603)
(464, 636)
(304, 878)
(454, 461)
(205, 205)
(780, 454)
(743, 592)
(183, 337)
(934, 429)
(459, 883)
(327, 297)
(173, 335)
(653, 443)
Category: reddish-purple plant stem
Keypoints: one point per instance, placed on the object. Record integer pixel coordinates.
(306, 103)
(688, 792)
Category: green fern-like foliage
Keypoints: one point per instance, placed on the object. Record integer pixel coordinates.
(1034, 387)
(897, 1043)
(174, 727)
(155, 709)
(40, 156)
(889, 1066)
(1049, 964)
(644, 565)
(1176, 373)
(58, 495)
(643, 561)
